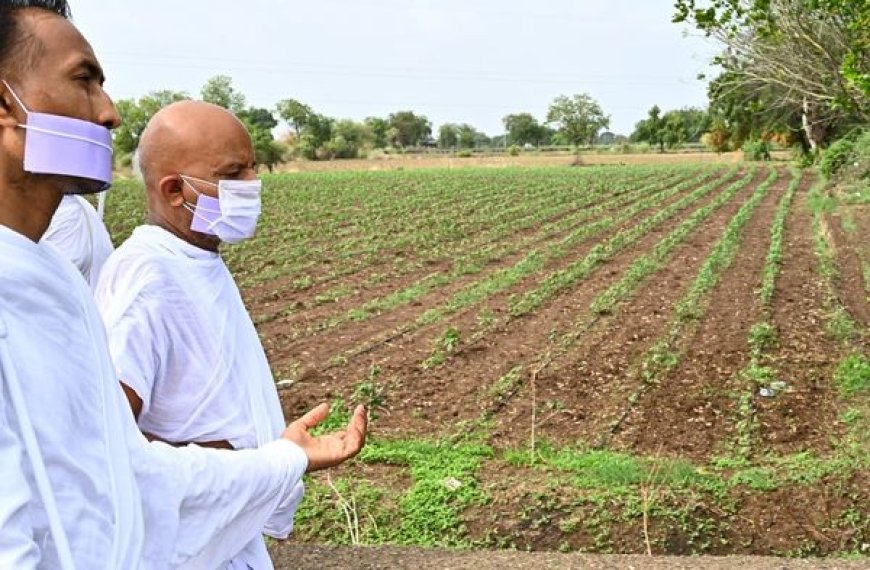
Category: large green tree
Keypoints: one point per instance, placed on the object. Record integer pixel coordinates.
(672, 128)
(261, 118)
(741, 113)
(349, 138)
(296, 113)
(260, 123)
(408, 129)
(792, 56)
(314, 135)
(135, 115)
(379, 128)
(650, 130)
(219, 90)
(578, 118)
(313, 130)
(448, 135)
(468, 136)
(523, 128)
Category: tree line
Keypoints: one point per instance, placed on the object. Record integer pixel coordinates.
(576, 120)
(793, 71)
(571, 120)
(796, 70)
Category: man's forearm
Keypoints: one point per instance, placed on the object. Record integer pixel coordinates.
(217, 444)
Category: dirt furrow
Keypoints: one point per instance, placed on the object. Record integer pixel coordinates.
(587, 388)
(395, 270)
(805, 356)
(317, 350)
(849, 283)
(686, 412)
(460, 388)
(307, 309)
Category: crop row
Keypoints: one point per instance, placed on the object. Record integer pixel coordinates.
(665, 354)
(393, 213)
(534, 262)
(468, 256)
(475, 261)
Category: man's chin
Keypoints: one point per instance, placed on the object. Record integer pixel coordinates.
(76, 185)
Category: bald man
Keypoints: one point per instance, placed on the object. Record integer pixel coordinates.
(184, 347)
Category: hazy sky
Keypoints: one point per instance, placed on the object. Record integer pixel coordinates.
(471, 61)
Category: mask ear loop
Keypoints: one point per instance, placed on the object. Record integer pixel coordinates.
(185, 177)
(191, 208)
(16, 97)
(48, 131)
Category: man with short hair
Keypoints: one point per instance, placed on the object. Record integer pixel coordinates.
(80, 486)
(183, 345)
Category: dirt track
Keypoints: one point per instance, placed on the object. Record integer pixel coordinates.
(326, 557)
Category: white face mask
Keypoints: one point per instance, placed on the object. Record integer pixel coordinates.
(233, 216)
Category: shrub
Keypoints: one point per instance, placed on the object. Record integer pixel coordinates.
(643, 148)
(324, 153)
(464, 153)
(836, 156)
(514, 150)
(756, 150)
(853, 375)
(800, 156)
(340, 147)
(307, 147)
(716, 140)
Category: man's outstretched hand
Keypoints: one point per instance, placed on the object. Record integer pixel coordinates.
(331, 449)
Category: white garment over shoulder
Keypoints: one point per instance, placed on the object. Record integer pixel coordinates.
(123, 502)
(78, 232)
(181, 338)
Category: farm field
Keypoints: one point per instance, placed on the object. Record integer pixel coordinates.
(525, 159)
(664, 358)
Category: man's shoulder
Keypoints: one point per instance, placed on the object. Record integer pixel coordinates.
(138, 264)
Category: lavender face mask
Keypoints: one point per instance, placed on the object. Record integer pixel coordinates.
(206, 212)
(232, 216)
(65, 146)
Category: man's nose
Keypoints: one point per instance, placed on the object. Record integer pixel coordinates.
(108, 115)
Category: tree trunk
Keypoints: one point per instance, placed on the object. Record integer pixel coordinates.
(813, 130)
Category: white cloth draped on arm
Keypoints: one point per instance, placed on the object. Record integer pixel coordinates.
(78, 232)
(124, 502)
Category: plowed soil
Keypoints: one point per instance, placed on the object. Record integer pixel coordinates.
(489, 375)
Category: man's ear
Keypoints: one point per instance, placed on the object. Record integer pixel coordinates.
(171, 189)
(7, 107)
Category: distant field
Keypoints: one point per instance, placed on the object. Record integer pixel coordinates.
(401, 162)
(664, 357)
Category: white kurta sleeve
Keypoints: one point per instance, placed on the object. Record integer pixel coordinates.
(17, 547)
(280, 524)
(136, 342)
(195, 497)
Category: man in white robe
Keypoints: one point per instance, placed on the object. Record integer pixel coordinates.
(80, 486)
(77, 230)
(180, 337)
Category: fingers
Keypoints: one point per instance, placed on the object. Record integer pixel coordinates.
(358, 426)
(313, 418)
